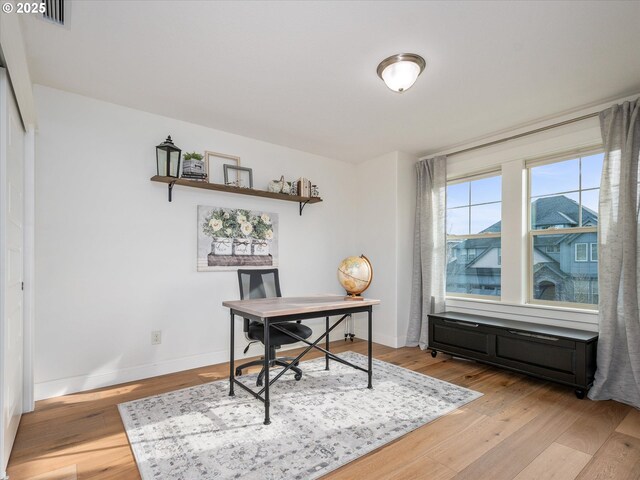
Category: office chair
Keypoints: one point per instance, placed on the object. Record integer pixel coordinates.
(266, 284)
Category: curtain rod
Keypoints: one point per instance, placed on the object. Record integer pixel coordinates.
(524, 134)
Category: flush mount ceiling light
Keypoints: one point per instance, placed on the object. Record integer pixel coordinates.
(400, 72)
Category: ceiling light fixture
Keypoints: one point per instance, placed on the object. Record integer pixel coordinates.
(399, 72)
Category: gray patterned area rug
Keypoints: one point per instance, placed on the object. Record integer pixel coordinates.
(318, 424)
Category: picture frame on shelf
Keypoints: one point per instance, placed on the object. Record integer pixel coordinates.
(243, 176)
(215, 165)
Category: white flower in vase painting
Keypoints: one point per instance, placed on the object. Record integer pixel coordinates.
(215, 224)
(246, 228)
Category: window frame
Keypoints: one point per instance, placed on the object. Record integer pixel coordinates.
(464, 179)
(586, 252)
(532, 233)
(591, 245)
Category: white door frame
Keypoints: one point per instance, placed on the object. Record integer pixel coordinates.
(6, 96)
(29, 268)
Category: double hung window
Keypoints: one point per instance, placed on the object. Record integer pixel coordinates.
(474, 256)
(563, 232)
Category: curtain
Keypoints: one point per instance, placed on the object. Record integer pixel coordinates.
(429, 245)
(618, 372)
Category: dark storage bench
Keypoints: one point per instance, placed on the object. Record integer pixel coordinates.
(562, 355)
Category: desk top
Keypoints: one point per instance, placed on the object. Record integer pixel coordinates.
(280, 306)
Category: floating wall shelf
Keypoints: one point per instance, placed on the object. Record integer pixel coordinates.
(302, 201)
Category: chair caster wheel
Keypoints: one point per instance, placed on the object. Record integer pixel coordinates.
(297, 376)
(238, 372)
(434, 353)
(580, 394)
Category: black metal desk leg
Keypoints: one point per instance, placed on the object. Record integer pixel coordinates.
(231, 347)
(326, 357)
(370, 348)
(267, 350)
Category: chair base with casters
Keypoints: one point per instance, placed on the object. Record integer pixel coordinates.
(265, 283)
(273, 361)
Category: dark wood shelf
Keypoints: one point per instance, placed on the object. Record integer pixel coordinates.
(302, 201)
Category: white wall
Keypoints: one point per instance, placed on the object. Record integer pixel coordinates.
(115, 260)
(385, 215)
(375, 214)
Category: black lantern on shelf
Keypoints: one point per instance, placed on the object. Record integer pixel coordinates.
(168, 159)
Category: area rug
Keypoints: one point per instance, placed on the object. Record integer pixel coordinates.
(318, 424)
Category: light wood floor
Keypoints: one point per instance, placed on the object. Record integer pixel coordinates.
(522, 428)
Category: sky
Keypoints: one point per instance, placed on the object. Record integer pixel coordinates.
(474, 206)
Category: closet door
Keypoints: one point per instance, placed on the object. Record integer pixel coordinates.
(12, 138)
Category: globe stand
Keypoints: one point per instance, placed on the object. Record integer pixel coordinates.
(353, 296)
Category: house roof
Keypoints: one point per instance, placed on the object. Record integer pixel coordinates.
(555, 210)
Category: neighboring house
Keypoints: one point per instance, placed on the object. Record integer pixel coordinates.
(565, 266)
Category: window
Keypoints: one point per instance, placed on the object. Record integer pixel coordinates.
(474, 209)
(563, 206)
(581, 252)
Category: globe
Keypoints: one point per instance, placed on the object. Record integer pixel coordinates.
(355, 274)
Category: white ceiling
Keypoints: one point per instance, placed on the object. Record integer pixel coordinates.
(303, 74)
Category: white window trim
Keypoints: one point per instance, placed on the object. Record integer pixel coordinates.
(511, 160)
(586, 252)
(567, 155)
(591, 245)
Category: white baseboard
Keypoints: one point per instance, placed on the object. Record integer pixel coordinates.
(65, 386)
(386, 340)
(82, 383)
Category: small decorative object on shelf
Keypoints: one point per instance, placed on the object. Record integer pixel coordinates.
(244, 178)
(314, 191)
(168, 159)
(294, 188)
(279, 186)
(355, 275)
(304, 187)
(193, 167)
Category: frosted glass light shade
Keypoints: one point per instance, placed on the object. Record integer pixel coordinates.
(400, 72)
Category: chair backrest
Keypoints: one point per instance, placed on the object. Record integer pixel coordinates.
(259, 283)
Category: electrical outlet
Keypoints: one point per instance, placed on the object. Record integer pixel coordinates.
(156, 337)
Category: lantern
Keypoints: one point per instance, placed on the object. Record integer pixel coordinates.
(168, 159)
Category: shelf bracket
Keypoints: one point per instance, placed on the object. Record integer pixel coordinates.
(302, 205)
(171, 189)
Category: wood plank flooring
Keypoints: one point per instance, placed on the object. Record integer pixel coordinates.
(522, 429)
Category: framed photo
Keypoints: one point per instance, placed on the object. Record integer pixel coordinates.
(215, 162)
(238, 176)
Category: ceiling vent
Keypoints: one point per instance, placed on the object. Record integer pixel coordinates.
(54, 11)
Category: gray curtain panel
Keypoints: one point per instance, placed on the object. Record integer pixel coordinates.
(618, 373)
(428, 290)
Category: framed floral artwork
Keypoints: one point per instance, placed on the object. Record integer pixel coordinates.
(231, 238)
